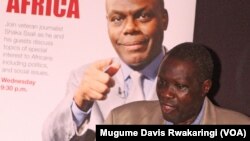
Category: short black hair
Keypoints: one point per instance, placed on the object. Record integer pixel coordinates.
(161, 2)
(199, 54)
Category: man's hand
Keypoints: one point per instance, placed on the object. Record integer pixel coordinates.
(96, 83)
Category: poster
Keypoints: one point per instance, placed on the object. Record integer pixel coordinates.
(43, 41)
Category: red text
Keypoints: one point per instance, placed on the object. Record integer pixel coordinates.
(58, 8)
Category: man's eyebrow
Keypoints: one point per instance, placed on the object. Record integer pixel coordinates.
(133, 11)
(115, 12)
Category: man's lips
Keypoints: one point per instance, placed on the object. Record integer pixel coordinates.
(134, 45)
(166, 107)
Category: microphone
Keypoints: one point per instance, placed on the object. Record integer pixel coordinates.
(120, 91)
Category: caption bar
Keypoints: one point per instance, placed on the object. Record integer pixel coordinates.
(210, 132)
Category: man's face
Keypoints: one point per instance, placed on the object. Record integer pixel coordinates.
(136, 29)
(180, 92)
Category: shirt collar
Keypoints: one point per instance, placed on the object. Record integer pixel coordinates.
(150, 71)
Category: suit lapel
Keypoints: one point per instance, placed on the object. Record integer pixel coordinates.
(152, 95)
(209, 116)
(155, 113)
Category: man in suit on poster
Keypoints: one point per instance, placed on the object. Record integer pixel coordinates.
(136, 30)
(184, 79)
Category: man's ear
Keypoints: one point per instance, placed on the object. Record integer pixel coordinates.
(165, 19)
(206, 86)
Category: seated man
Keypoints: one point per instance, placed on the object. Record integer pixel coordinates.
(184, 79)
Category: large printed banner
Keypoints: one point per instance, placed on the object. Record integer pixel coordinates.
(42, 41)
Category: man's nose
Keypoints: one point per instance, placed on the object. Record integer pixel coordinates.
(167, 92)
(131, 27)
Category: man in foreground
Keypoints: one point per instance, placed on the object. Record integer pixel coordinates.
(184, 79)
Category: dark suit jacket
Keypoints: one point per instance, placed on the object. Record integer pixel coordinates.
(149, 112)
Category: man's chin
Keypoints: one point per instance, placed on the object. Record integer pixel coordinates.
(135, 62)
(170, 118)
(137, 65)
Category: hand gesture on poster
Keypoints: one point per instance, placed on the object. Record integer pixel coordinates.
(96, 83)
